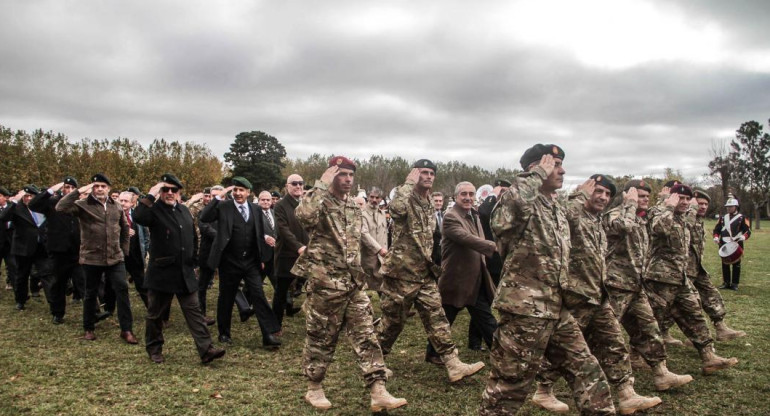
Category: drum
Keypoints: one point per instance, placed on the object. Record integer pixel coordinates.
(730, 252)
(483, 192)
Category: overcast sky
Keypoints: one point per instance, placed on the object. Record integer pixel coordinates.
(625, 87)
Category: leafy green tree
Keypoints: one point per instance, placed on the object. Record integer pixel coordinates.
(258, 157)
(751, 150)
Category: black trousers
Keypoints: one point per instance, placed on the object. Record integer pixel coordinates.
(26, 283)
(65, 268)
(135, 269)
(282, 297)
(481, 314)
(10, 265)
(205, 276)
(159, 305)
(116, 276)
(731, 278)
(229, 280)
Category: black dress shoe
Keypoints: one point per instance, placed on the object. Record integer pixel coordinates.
(225, 339)
(58, 320)
(271, 341)
(246, 315)
(477, 348)
(734, 287)
(724, 286)
(19, 306)
(102, 316)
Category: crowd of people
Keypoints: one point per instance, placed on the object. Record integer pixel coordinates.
(566, 274)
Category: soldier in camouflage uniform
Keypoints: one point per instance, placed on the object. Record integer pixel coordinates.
(409, 274)
(585, 299)
(336, 299)
(628, 246)
(711, 299)
(533, 237)
(666, 283)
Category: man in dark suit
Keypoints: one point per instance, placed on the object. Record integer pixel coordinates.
(138, 245)
(291, 241)
(28, 244)
(237, 254)
(63, 246)
(208, 233)
(171, 270)
(465, 281)
(6, 233)
(265, 202)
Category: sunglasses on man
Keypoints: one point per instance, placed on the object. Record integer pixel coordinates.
(171, 189)
(297, 183)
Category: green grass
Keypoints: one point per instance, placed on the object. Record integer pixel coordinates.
(48, 370)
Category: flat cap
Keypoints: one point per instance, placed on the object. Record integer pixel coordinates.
(425, 164)
(242, 182)
(701, 193)
(342, 162)
(69, 180)
(681, 189)
(171, 179)
(4, 191)
(31, 189)
(604, 180)
(638, 184)
(536, 152)
(502, 182)
(100, 177)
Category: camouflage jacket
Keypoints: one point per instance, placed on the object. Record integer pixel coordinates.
(410, 252)
(532, 228)
(587, 266)
(628, 245)
(669, 245)
(332, 258)
(697, 247)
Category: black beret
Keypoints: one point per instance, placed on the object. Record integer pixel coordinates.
(4, 192)
(536, 152)
(171, 179)
(605, 181)
(134, 190)
(342, 162)
(425, 164)
(681, 189)
(207, 190)
(638, 184)
(242, 182)
(275, 194)
(672, 183)
(69, 180)
(701, 193)
(502, 182)
(31, 189)
(100, 177)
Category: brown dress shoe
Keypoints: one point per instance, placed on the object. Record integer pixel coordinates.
(129, 337)
(212, 354)
(89, 336)
(209, 321)
(157, 358)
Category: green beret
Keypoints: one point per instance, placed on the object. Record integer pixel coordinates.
(502, 182)
(4, 191)
(242, 182)
(171, 179)
(425, 164)
(100, 177)
(536, 152)
(605, 181)
(31, 189)
(701, 193)
(638, 184)
(69, 180)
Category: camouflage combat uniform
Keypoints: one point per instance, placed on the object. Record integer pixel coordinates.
(583, 296)
(409, 275)
(331, 264)
(628, 247)
(666, 283)
(533, 230)
(711, 299)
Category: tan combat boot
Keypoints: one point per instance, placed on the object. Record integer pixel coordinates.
(637, 361)
(388, 373)
(725, 333)
(382, 400)
(669, 340)
(713, 363)
(457, 369)
(664, 379)
(544, 398)
(316, 397)
(629, 402)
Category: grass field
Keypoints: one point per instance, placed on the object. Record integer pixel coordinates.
(48, 370)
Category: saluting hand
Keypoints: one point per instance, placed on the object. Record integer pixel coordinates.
(56, 187)
(86, 189)
(196, 197)
(547, 164)
(632, 195)
(672, 200)
(155, 190)
(329, 175)
(413, 176)
(665, 192)
(18, 196)
(588, 186)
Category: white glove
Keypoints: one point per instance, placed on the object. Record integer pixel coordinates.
(740, 238)
(716, 240)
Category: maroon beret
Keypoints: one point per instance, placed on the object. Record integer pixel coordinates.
(681, 189)
(342, 162)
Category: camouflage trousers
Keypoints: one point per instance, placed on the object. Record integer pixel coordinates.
(328, 310)
(398, 296)
(635, 314)
(682, 304)
(601, 331)
(710, 300)
(519, 345)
